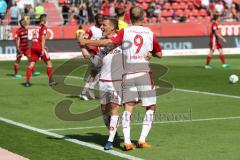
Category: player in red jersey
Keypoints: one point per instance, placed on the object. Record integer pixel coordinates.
(21, 38)
(39, 50)
(215, 44)
(137, 82)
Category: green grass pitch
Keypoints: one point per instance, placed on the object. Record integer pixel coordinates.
(201, 138)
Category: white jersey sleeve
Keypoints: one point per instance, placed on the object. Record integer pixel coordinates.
(96, 33)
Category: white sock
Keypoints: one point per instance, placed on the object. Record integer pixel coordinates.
(106, 120)
(147, 124)
(126, 120)
(86, 87)
(113, 127)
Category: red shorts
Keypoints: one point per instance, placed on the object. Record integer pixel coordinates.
(37, 53)
(26, 53)
(216, 45)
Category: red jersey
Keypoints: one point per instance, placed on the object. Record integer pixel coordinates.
(214, 41)
(22, 36)
(38, 32)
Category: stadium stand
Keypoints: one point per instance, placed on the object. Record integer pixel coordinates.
(77, 12)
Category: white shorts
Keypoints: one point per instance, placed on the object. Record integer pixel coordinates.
(139, 87)
(110, 92)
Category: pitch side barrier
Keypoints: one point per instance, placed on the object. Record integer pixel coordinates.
(172, 46)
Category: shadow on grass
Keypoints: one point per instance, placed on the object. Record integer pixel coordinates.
(94, 138)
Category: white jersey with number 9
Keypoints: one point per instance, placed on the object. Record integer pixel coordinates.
(138, 41)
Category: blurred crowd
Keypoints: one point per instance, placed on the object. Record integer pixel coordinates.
(78, 12)
(16, 13)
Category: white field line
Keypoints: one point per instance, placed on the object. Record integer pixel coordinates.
(158, 122)
(176, 89)
(207, 93)
(82, 143)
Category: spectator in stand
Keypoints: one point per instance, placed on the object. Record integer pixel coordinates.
(82, 13)
(39, 10)
(15, 14)
(197, 4)
(90, 12)
(120, 12)
(205, 4)
(105, 8)
(150, 10)
(112, 10)
(219, 7)
(65, 13)
(228, 3)
(3, 8)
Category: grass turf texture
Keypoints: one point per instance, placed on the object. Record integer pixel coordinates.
(210, 140)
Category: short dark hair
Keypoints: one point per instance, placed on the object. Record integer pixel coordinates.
(97, 18)
(120, 12)
(42, 16)
(215, 17)
(136, 14)
(113, 20)
(21, 21)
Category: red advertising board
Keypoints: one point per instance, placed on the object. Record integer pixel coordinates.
(161, 30)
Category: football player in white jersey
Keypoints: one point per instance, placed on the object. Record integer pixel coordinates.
(110, 80)
(136, 42)
(92, 33)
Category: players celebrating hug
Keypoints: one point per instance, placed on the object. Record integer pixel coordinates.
(110, 81)
(137, 84)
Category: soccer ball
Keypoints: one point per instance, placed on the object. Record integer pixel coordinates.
(233, 78)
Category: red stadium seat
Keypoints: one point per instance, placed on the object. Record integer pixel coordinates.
(187, 12)
(165, 13)
(175, 6)
(61, 1)
(145, 20)
(148, 1)
(169, 19)
(183, 5)
(195, 12)
(167, 5)
(154, 20)
(192, 19)
(200, 19)
(144, 6)
(161, 19)
(207, 19)
(73, 22)
(191, 6)
(203, 12)
(171, 12)
(179, 12)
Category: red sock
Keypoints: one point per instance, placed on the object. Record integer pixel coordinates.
(49, 72)
(33, 70)
(16, 68)
(208, 60)
(28, 74)
(222, 58)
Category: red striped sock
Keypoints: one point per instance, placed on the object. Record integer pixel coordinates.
(49, 72)
(28, 74)
(222, 58)
(208, 60)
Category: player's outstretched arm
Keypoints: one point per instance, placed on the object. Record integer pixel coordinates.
(85, 53)
(220, 36)
(98, 43)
